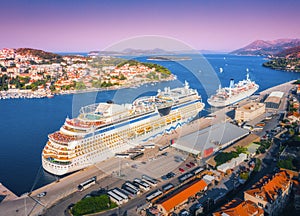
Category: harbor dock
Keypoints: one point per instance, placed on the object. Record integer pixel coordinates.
(30, 204)
(6, 194)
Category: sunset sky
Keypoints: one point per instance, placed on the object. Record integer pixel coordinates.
(73, 25)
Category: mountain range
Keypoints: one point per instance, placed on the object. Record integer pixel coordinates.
(293, 52)
(268, 48)
(150, 52)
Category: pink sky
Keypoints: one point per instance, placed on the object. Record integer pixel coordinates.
(93, 25)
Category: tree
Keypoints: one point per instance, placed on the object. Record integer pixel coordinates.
(92, 205)
(240, 149)
(52, 88)
(80, 86)
(291, 132)
(286, 164)
(223, 157)
(244, 175)
(96, 84)
(122, 77)
(257, 165)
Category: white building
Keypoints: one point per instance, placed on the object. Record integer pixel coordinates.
(232, 163)
(249, 111)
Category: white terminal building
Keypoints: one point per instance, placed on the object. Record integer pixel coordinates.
(249, 111)
(207, 141)
(274, 99)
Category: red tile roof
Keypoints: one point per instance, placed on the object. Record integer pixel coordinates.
(241, 208)
(180, 197)
(268, 186)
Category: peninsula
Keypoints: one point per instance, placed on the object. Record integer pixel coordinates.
(169, 58)
(288, 60)
(31, 73)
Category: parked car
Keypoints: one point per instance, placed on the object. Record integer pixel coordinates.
(71, 205)
(192, 164)
(170, 175)
(181, 170)
(164, 177)
(42, 194)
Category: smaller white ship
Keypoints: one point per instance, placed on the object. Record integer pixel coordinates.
(234, 93)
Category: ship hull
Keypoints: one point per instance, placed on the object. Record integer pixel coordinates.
(97, 156)
(232, 99)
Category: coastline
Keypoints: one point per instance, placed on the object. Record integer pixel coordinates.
(28, 94)
(63, 188)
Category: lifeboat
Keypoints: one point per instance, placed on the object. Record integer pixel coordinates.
(140, 131)
(148, 128)
(131, 134)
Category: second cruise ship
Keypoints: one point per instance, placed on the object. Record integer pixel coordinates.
(105, 129)
(234, 93)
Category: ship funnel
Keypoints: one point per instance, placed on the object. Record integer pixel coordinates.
(231, 83)
(186, 85)
(247, 76)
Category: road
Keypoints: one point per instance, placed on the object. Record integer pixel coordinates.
(63, 193)
(268, 162)
(159, 166)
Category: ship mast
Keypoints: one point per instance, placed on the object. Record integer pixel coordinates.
(247, 75)
(231, 86)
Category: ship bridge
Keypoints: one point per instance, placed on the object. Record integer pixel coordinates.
(102, 110)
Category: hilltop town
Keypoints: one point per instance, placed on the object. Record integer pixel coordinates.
(32, 73)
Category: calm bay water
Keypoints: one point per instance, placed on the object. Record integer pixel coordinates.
(25, 123)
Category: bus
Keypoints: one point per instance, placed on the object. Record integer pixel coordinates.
(127, 193)
(154, 195)
(163, 147)
(149, 146)
(115, 197)
(138, 149)
(120, 194)
(137, 155)
(131, 192)
(148, 179)
(120, 155)
(87, 183)
(185, 177)
(129, 184)
(167, 187)
(141, 184)
(197, 170)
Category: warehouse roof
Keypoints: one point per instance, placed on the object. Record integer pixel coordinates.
(183, 195)
(216, 136)
(274, 97)
(276, 94)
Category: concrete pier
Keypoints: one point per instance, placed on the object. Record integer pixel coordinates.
(6, 194)
(30, 204)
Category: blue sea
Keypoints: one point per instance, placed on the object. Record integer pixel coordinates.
(25, 123)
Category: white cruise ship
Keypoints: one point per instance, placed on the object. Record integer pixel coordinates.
(234, 93)
(104, 129)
